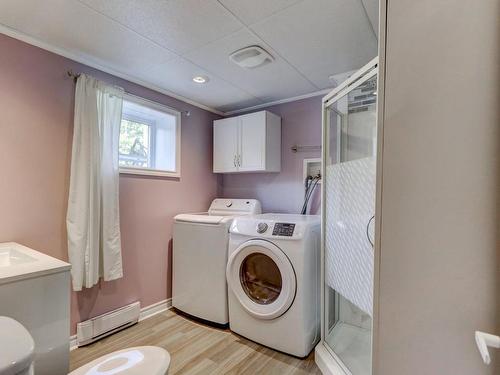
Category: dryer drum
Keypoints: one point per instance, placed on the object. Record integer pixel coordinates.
(260, 278)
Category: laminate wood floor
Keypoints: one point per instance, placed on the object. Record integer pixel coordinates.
(197, 349)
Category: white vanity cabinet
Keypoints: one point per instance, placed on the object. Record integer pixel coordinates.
(35, 291)
(248, 143)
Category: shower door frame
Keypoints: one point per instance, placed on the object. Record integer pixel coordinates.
(367, 72)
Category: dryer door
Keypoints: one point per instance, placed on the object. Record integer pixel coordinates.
(262, 279)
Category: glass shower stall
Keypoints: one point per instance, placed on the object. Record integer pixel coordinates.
(348, 224)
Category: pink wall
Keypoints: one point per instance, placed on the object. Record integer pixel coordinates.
(284, 191)
(36, 106)
(36, 103)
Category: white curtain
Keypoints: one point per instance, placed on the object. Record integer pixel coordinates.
(93, 219)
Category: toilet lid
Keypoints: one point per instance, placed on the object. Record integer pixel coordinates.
(17, 347)
(140, 360)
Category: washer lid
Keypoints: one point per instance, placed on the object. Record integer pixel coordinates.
(17, 347)
(202, 218)
(222, 211)
(233, 207)
(262, 278)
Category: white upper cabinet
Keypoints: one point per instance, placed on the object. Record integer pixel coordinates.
(252, 139)
(248, 143)
(225, 142)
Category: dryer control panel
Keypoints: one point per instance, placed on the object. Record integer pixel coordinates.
(283, 229)
(274, 227)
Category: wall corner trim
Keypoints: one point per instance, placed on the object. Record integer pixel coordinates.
(94, 63)
(277, 102)
(86, 60)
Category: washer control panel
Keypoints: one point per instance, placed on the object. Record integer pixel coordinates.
(283, 229)
(262, 227)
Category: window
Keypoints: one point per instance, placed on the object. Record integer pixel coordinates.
(149, 138)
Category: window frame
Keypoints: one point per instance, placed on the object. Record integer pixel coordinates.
(162, 108)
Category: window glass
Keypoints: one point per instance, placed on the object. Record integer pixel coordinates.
(135, 139)
(148, 137)
(260, 278)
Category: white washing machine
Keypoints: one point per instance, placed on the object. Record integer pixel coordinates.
(273, 275)
(199, 258)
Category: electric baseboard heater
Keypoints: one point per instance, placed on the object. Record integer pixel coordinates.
(106, 324)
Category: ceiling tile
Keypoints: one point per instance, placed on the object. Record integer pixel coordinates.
(371, 7)
(270, 82)
(256, 10)
(179, 25)
(177, 75)
(310, 39)
(71, 26)
(321, 37)
(240, 105)
(339, 78)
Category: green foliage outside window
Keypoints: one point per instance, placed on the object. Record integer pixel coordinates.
(134, 144)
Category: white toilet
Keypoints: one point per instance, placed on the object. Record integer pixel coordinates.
(17, 354)
(17, 348)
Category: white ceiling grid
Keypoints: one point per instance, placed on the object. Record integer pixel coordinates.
(167, 42)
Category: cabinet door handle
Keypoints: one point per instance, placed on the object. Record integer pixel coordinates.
(239, 160)
(234, 160)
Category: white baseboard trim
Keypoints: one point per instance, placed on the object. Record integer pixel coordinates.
(146, 312)
(72, 343)
(326, 363)
(155, 308)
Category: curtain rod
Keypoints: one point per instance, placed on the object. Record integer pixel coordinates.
(75, 76)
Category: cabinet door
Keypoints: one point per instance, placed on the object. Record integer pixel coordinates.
(225, 145)
(252, 137)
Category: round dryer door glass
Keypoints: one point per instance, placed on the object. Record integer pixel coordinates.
(260, 278)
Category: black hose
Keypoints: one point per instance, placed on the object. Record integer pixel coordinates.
(309, 192)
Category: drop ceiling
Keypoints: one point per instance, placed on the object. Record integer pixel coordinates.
(164, 43)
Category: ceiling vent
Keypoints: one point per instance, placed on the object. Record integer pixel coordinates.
(251, 57)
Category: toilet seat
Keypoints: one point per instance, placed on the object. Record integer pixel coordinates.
(17, 347)
(139, 360)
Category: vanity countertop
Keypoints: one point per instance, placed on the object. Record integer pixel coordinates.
(19, 262)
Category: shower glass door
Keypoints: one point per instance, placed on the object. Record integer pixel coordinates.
(349, 155)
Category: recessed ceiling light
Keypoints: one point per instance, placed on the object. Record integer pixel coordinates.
(200, 79)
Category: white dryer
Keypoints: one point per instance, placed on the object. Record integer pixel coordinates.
(199, 258)
(273, 275)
